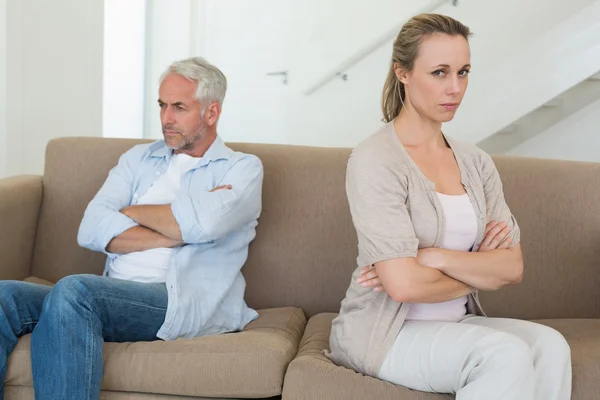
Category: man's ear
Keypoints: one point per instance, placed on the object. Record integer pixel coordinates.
(212, 113)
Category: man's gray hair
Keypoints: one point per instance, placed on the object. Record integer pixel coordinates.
(211, 83)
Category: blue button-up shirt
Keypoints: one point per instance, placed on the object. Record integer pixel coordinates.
(204, 281)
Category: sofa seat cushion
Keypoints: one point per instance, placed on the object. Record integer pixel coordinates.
(250, 363)
(583, 336)
(332, 382)
(39, 281)
(26, 393)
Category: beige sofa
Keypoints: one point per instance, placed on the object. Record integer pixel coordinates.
(299, 268)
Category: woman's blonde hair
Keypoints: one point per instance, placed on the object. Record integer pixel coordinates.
(406, 49)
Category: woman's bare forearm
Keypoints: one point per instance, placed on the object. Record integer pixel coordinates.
(140, 238)
(482, 270)
(408, 281)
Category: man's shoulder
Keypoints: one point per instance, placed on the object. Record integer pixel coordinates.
(141, 151)
(241, 158)
(152, 146)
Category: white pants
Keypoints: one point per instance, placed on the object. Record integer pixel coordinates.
(481, 358)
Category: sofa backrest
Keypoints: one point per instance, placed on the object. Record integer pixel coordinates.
(305, 249)
(75, 168)
(557, 206)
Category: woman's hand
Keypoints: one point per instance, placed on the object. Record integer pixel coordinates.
(495, 237)
(368, 278)
(368, 275)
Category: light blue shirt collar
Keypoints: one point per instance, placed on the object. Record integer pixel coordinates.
(216, 151)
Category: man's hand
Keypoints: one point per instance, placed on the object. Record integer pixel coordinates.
(159, 218)
(127, 211)
(156, 217)
(227, 187)
(496, 237)
(140, 238)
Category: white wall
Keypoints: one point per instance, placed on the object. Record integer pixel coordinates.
(323, 33)
(575, 138)
(54, 65)
(504, 27)
(271, 36)
(310, 38)
(54, 81)
(3, 114)
(549, 48)
(168, 38)
(124, 66)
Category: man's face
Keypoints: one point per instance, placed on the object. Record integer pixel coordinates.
(181, 113)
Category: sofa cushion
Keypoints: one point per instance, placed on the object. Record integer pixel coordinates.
(250, 363)
(583, 336)
(305, 246)
(39, 281)
(329, 381)
(556, 205)
(20, 200)
(26, 393)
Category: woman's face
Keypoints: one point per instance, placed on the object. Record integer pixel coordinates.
(436, 85)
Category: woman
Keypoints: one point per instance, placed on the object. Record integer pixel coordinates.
(433, 228)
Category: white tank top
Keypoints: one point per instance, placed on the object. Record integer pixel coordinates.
(459, 234)
(151, 266)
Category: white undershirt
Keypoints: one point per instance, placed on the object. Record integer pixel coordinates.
(151, 266)
(460, 232)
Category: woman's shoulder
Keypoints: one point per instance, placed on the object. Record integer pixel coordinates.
(470, 153)
(379, 150)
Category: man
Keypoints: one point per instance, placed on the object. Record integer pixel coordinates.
(175, 218)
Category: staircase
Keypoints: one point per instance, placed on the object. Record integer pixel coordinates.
(544, 117)
(312, 71)
(546, 81)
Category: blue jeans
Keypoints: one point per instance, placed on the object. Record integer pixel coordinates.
(69, 324)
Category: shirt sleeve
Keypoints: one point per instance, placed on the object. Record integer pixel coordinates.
(207, 216)
(103, 219)
(377, 196)
(496, 207)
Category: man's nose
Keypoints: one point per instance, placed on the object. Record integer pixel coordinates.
(167, 115)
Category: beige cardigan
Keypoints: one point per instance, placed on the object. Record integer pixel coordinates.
(395, 212)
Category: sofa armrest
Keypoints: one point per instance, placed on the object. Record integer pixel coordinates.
(20, 202)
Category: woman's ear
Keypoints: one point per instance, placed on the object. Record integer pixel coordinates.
(401, 74)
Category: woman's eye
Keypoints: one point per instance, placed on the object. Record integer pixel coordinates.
(439, 72)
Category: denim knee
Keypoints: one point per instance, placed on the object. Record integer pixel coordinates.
(8, 294)
(69, 293)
